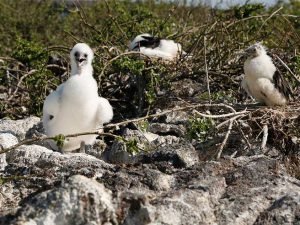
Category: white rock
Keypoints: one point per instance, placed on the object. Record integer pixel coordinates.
(6, 140)
(37, 155)
(18, 127)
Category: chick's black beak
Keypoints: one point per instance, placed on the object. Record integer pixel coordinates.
(81, 59)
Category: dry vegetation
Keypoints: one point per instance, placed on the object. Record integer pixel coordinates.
(34, 59)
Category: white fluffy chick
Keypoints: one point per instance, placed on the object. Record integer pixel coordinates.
(75, 106)
(156, 47)
(262, 79)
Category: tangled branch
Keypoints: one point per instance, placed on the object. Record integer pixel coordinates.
(234, 115)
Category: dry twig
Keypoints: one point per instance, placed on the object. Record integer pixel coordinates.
(33, 140)
(243, 135)
(265, 137)
(286, 66)
(206, 71)
(20, 82)
(225, 138)
(244, 112)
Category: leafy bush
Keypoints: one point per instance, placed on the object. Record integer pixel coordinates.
(48, 29)
(199, 128)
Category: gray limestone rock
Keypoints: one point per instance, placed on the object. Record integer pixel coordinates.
(121, 152)
(179, 155)
(167, 129)
(18, 128)
(178, 117)
(78, 201)
(168, 185)
(38, 159)
(255, 186)
(6, 140)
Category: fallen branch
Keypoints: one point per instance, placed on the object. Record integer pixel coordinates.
(265, 137)
(225, 138)
(227, 121)
(243, 135)
(33, 140)
(181, 109)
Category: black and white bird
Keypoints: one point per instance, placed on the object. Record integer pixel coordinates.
(262, 79)
(75, 106)
(156, 47)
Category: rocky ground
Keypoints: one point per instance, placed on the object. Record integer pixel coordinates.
(169, 184)
(208, 155)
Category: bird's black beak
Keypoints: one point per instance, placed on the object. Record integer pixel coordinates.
(250, 52)
(80, 61)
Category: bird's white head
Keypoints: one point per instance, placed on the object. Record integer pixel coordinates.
(255, 50)
(81, 58)
(137, 39)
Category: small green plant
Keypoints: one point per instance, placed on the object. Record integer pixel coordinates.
(247, 10)
(147, 76)
(154, 81)
(143, 125)
(129, 65)
(132, 146)
(60, 140)
(199, 128)
(7, 179)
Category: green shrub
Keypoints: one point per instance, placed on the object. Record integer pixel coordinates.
(199, 128)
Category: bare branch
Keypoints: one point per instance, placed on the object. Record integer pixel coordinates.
(33, 140)
(225, 138)
(265, 137)
(181, 109)
(206, 70)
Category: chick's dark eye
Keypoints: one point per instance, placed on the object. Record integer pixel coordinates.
(76, 54)
(85, 55)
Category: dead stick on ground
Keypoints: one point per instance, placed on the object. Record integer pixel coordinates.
(227, 121)
(265, 137)
(225, 139)
(33, 140)
(243, 134)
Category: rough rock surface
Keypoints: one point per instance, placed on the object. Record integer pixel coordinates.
(168, 185)
(6, 140)
(78, 201)
(18, 128)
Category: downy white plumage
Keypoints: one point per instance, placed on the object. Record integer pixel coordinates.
(156, 47)
(262, 79)
(75, 106)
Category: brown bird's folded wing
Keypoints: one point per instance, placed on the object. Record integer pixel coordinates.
(282, 84)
